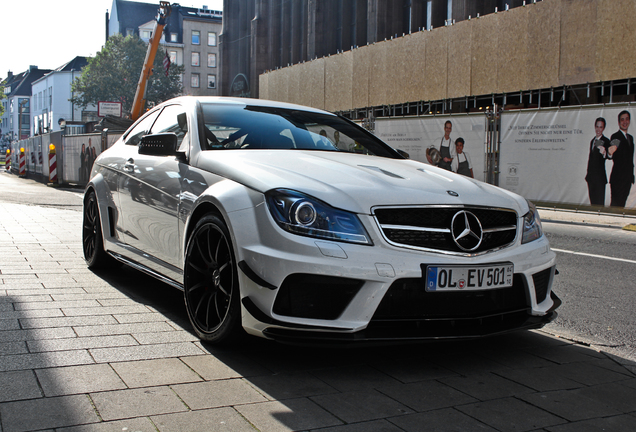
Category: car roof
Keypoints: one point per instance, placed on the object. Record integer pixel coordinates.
(223, 100)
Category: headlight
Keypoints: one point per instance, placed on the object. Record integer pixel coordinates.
(301, 214)
(531, 225)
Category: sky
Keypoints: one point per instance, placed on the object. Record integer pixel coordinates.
(50, 33)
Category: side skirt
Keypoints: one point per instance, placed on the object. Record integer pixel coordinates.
(147, 270)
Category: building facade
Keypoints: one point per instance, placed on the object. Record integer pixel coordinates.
(16, 120)
(50, 105)
(263, 35)
(190, 39)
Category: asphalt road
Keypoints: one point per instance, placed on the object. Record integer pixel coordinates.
(597, 267)
(14, 189)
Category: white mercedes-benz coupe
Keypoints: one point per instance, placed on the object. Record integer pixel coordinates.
(297, 225)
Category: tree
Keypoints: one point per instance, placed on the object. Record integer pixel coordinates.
(112, 75)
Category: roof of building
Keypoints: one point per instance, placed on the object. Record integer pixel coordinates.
(76, 64)
(21, 83)
(131, 15)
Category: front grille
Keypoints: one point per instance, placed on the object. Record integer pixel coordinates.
(542, 283)
(430, 227)
(408, 299)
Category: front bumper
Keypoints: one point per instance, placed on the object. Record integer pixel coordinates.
(297, 288)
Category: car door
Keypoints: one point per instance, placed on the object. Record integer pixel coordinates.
(149, 198)
(119, 163)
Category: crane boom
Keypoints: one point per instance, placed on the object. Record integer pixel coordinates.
(146, 70)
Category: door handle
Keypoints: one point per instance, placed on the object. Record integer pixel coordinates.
(129, 166)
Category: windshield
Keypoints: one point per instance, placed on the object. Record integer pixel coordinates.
(256, 127)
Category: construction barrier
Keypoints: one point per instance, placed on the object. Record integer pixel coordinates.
(52, 164)
(7, 160)
(22, 163)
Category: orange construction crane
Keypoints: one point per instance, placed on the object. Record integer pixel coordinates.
(146, 71)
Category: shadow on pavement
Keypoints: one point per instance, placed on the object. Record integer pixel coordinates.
(521, 381)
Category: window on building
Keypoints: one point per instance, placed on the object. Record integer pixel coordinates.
(211, 39)
(211, 81)
(129, 32)
(50, 98)
(173, 57)
(194, 81)
(145, 34)
(174, 37)
(196, 37)
(212, 60)
(196, 59)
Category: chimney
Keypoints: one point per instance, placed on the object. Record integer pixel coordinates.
(9, 74)
(32, 67)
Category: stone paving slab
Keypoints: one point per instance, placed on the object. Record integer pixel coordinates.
(122, 404)
(100, 352)
(290, 415)
(78, 379)
(47, 413)
(155, 372)
(211, 420)
(511, 414)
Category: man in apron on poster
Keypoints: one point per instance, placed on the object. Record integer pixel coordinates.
(446, 148)
(461, 162)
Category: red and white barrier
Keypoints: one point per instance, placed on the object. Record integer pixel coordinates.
(52, 164)
(22, 164)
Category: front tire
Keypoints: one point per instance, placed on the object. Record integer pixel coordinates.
(211, 286)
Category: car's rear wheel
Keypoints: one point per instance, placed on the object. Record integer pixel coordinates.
(211, 282)
(92, 241)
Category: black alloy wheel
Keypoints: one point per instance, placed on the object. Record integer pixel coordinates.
(211, 282)
(92, 241)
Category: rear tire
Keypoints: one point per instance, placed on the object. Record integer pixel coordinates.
(92, 240)
(211, 288)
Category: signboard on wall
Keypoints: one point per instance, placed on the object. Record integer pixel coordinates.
(544, 154)
(415, 135)
(80, 151)
(108, 108)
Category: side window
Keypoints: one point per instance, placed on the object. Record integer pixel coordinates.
(134, 136)
(172, 120)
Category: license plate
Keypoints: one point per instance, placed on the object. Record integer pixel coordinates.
(458, 278)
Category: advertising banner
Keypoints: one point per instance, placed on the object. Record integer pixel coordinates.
(556, 156)
(416, 135)
(80, 151)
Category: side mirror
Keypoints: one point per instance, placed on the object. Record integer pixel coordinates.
(164, 144)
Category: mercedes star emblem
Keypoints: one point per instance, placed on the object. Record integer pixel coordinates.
(466, 231)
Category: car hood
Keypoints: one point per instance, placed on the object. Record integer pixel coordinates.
(355, 182)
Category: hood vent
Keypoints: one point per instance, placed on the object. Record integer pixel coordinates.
(380, 170)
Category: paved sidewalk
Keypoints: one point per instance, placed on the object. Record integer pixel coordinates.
(84, 351)
(626, 222)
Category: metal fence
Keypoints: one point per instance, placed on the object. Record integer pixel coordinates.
(75, 155)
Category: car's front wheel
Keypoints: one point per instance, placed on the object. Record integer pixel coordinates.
(211, 282)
